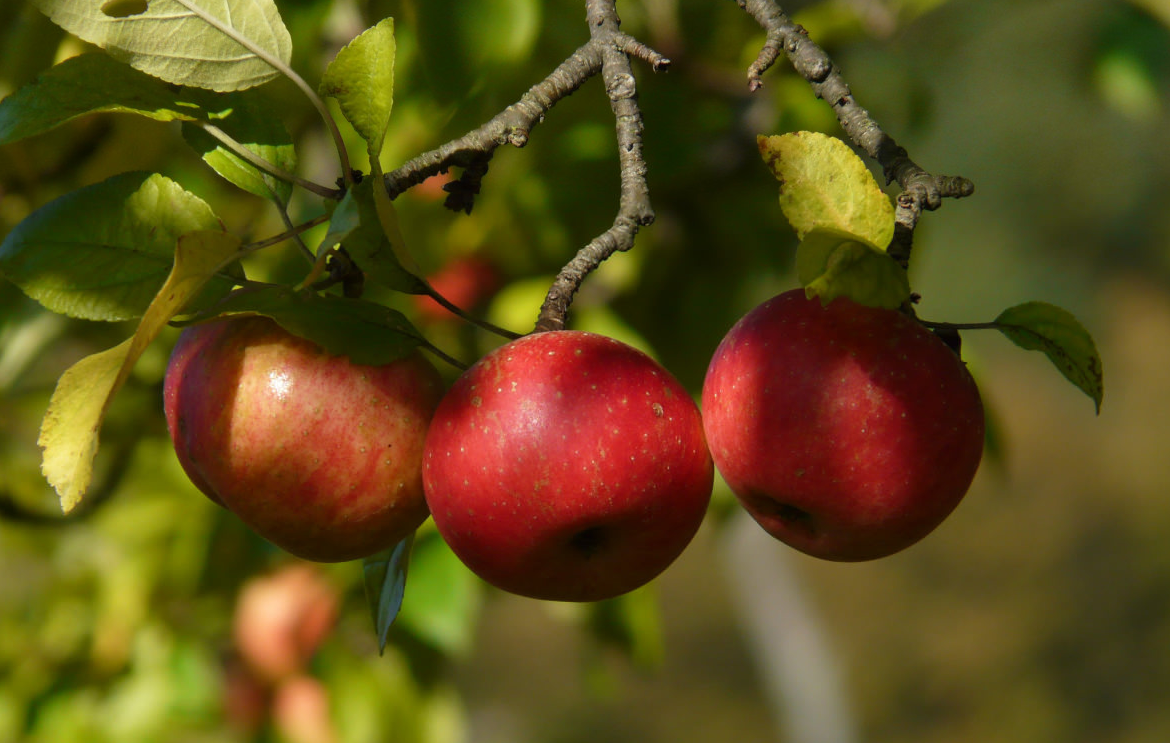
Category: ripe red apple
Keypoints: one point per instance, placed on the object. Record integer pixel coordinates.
(567, 466)
(848, 432)
(318, 455)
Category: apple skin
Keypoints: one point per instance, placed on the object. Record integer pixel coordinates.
(318, 455)
(847, 432)
(567, 466)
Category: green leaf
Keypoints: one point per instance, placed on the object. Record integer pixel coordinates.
(825, 185)
(343, 222)
(103, 251)
(69, 432)
(1038, 326)
(218, 44)
(444, 597)
(361, 78)
(250, 122)
(830, 264)
(365, 332)
(392, 229)
(67, 90)
(384, 576)
(358, 225)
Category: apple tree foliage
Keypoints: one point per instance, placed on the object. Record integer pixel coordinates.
(146, 252)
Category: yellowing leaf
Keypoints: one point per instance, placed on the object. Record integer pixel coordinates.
(831, 264)
(825, 185)
(361, 78)
(69, 432)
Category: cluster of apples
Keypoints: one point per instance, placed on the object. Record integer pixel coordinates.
(569, 466)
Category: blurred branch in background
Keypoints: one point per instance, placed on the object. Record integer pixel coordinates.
(786, 638)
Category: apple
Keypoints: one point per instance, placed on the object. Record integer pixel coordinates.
(318, 455)
(282, 618)
(301, 711)
(567, 466)
(848, 432)
(465, 281)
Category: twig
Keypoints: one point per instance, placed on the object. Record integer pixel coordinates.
(511, 126)
(250, 248)
(634, 210)
(282, 209)
(607, 53)
(459, 312)
(920, 189)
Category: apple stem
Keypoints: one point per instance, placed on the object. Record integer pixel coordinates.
(960, 325)
(461, 313)
(441, 354)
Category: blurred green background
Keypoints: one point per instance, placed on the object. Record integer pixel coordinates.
(1040, 611)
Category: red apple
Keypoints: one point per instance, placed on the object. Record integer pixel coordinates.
(848, 432)
(317, 454)
(567, 466)
(465, 281)
(281, 619)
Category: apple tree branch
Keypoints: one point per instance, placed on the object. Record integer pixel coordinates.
(607, 53)
(920, 190)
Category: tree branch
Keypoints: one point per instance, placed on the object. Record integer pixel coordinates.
(607, 53)
(634, 210)
(511, 126)
(920, 189)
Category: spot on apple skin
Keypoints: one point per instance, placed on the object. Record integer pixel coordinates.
(779, 515)
(797, 518)
(590, 540)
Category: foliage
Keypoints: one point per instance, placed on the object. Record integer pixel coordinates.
(157, 247)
